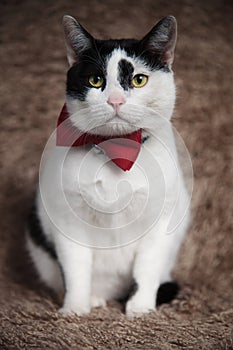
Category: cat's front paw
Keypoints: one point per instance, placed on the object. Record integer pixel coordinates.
(74, 310)
(134, 308)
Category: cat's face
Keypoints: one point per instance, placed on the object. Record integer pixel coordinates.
(114, 85)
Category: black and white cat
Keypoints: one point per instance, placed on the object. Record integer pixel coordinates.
(114, 88)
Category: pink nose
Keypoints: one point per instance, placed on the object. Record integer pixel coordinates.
(116, 100)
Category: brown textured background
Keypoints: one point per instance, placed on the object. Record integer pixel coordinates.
(33, 67)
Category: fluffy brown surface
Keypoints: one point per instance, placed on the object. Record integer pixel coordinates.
(33, 67)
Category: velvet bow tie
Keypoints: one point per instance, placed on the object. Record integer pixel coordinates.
(122, 150)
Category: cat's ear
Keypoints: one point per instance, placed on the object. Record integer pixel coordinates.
(161, 40)
(77, 39)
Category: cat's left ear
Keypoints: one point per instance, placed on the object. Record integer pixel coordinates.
(77, 39)
(161, 40)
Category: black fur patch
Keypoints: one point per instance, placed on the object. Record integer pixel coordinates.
(133, 289)
(94, 60)
(37, 235)
(167, 292)
(125, 75)
(78, 75)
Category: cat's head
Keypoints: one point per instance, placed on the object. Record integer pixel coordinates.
(113, 85)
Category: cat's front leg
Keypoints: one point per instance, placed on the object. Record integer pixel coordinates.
(146, 286)
(76, 265)
(147, 271)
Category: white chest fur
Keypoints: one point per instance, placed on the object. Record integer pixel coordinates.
(109, 206)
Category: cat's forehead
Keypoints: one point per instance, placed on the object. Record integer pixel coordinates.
(124, 61)
(121, 67)
(111, 52)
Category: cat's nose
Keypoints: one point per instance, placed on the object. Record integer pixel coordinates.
(116, 100)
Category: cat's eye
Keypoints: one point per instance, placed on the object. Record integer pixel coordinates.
(139, 80)
(96, 81)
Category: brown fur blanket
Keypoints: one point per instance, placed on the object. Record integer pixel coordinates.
(33, 66)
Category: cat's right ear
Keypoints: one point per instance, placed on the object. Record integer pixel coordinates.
(77, 39)
(161, 40)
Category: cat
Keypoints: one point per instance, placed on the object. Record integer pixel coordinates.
(114, 88)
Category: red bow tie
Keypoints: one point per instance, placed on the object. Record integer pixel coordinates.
(122, 150)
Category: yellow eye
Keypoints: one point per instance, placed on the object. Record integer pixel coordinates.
(139, 80)
(96, 81)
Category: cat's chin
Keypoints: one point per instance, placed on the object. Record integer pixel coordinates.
(115, 127)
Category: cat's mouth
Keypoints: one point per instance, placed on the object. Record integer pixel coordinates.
(120, 118)
(115, 125)
(118, 124)
(117, 118)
